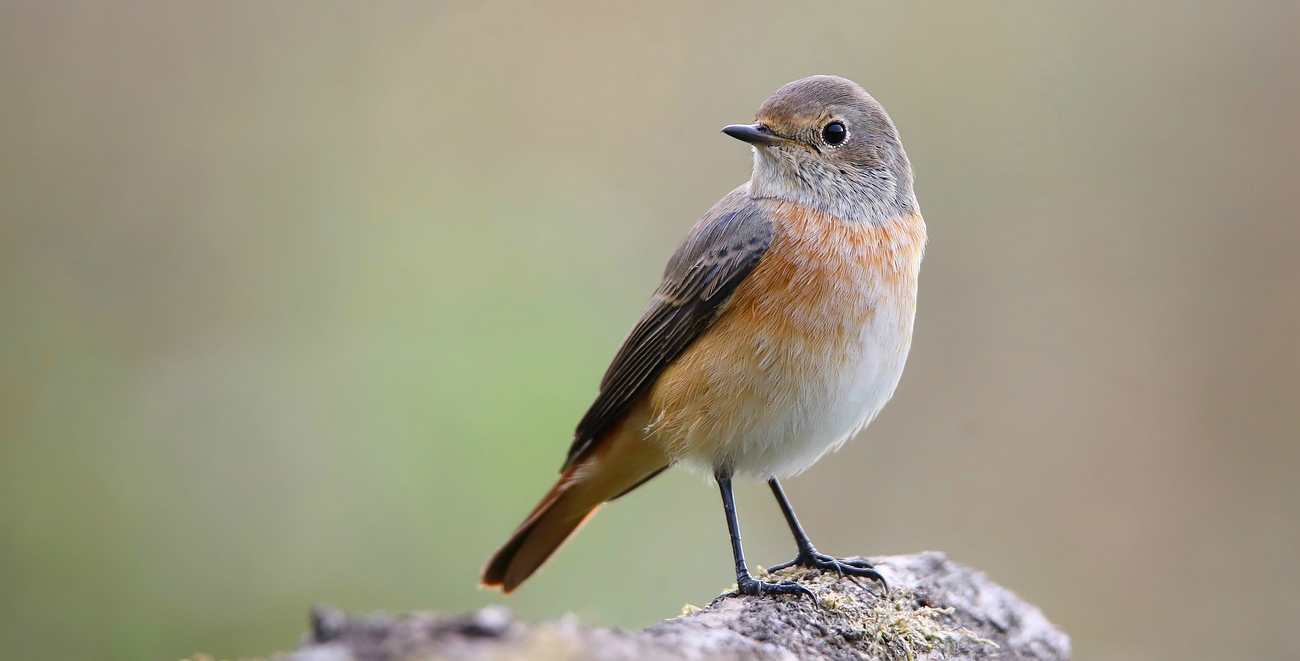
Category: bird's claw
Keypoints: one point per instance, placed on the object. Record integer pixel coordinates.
(842, 567)
(756, 588)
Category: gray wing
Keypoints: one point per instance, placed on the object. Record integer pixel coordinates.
(701, 275)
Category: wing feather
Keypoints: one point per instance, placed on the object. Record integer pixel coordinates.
(701, 276)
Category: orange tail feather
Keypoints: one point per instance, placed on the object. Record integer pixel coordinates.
(621, 463)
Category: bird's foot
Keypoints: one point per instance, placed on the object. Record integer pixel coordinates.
(748, 585)
(814, 560)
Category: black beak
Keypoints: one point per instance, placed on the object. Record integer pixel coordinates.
(754, 134)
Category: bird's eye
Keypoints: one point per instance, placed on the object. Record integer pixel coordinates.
(834, 133)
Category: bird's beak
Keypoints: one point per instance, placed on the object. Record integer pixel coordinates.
(754, 134)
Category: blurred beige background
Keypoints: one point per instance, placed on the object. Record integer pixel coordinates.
(300, 301)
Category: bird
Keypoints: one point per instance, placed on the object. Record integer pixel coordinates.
(779, 331)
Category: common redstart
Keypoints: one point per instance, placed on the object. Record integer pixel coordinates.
(779, 331)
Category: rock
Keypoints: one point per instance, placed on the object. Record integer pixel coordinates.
(935, 609)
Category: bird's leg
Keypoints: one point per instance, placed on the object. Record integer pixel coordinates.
(808, 555)
(746, 584)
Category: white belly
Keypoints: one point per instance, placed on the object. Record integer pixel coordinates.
(830, 408)
(776, 410)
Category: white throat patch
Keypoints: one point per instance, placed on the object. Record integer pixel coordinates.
(796, 175)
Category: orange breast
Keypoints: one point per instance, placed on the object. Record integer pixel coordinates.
(824, 277)
(826, 291)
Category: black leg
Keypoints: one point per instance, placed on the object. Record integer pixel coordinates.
(746, 584)
(808, 555)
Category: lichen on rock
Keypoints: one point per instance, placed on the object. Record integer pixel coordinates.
(890, 624)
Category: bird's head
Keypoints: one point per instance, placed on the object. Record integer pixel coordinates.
(824, 142)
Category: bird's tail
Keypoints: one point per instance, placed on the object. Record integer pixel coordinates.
(623, 461)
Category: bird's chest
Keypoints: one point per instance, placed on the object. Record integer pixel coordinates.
(808, 349)
(829, 309)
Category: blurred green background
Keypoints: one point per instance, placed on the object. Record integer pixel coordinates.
(300, 302)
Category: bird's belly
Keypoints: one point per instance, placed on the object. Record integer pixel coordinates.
(770, 399)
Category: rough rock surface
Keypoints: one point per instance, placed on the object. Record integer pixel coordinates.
(935, 609)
